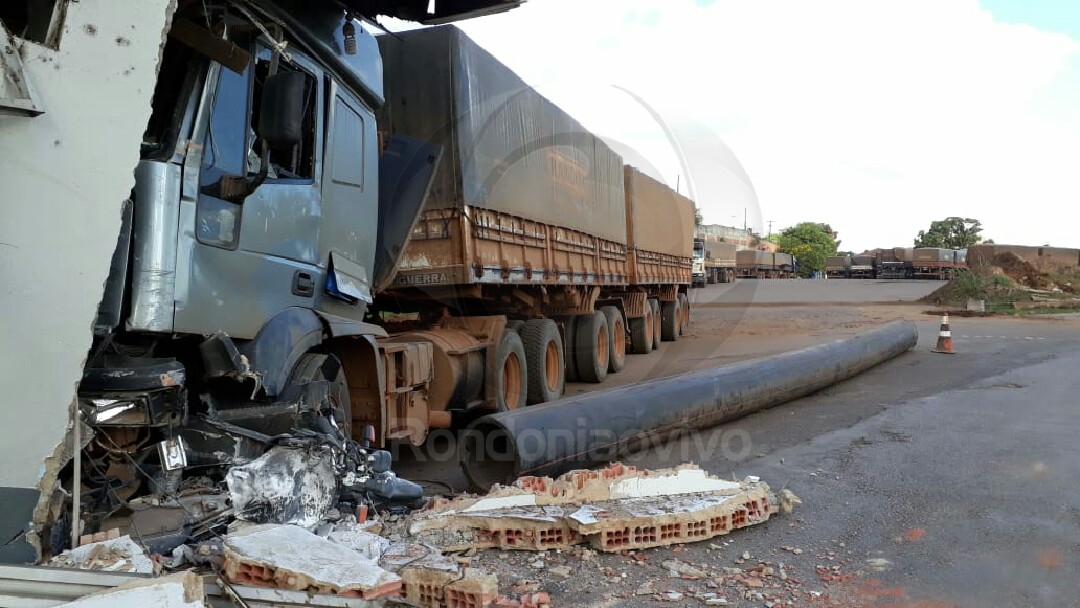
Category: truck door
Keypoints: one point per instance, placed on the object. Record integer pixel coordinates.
(240, 262)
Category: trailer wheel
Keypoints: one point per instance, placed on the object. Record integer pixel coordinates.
(641, 341)
(670, 314)
(684, 316)
(592, 352)
(544, 361)
(616, 338)
(569, 330)
(511, 376)
(655, 305)
(515, 325)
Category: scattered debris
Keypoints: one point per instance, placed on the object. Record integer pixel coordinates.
(116, 555)
(285, 486)
(290, 557)
(613, 509)
(184, 590)
(684, 569)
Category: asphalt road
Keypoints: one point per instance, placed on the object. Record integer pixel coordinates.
(932, 480)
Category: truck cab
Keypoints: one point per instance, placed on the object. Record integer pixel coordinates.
(697, 259)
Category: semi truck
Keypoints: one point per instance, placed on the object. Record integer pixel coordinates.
(698, 271)
(259, 279)
(720, 262)
(935, 263)
(862, 267)
(838, 266)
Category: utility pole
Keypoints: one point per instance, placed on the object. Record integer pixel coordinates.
(770, 229)
(744, 218)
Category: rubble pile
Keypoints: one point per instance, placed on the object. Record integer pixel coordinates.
(613, 509)
(286, 538)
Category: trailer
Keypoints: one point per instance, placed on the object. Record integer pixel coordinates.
(862, 267)
(720, 263)
(838, 267)
(784, 264)
(752, 263)
(531, 218)
(935, 263)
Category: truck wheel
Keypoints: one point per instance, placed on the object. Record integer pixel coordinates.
(569, 349)
(616, 338)
(710, 277)
(511, 377)
(669, 319)
(656, 329)
(641, 333)
(319, 367)
(543, 360)
(684, 317)
(515, 325)
(592, 352)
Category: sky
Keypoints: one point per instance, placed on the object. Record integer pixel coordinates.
(874, 116)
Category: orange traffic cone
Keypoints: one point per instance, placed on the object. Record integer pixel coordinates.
(944, 339)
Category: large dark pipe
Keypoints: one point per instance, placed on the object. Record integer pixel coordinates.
(595, 427)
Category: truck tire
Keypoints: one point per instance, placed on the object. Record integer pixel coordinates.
(670, 315)
(592, 352)
(641, 340)
(656, 323)
(616, 338)
(511, 373)
(544, 360)
(515, 325)
(684, 317)
(319, 367)
(710, 277)
(569, 349)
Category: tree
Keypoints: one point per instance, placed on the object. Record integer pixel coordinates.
(950, 233)
(810, 243)
(698, 219)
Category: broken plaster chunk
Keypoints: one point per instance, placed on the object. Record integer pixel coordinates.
(184, 590)
(116, 555)
(367, 544)
(682, 568)
(284, 486)
(787, 500)
(290, 557)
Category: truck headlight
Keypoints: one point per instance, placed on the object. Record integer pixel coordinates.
(116, 412)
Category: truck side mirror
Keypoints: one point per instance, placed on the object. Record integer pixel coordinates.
(281, 110)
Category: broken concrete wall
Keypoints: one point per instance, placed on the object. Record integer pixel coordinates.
(65, 174)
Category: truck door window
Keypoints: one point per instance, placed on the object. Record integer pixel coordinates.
(299, 162)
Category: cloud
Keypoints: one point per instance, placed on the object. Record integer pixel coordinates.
(874, 116)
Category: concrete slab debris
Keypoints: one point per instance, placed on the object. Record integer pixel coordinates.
(285, 486)
(290, 557)
(184, 590)
(114, 555)
(612, 509)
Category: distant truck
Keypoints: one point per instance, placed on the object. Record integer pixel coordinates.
(936, 263)
(894, 263)
(838, 266)
(720, 262)
(697, 272)
(754, 264)
(862, 267)
(784, 265)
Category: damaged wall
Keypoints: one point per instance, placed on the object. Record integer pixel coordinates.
(65, 174)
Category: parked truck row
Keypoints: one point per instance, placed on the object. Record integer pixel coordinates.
(898, 263)
(362, 239)
(755, 264)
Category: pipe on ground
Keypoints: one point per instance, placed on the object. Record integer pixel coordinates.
(574, 433)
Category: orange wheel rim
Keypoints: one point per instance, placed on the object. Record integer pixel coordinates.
(552, 365)
(620, 339)
(512, 382)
